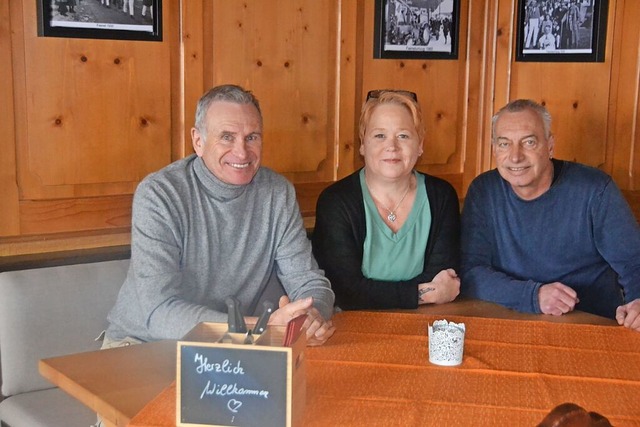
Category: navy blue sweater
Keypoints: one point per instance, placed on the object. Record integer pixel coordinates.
(581, 232)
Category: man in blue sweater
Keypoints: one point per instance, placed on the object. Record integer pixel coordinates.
(541, 235)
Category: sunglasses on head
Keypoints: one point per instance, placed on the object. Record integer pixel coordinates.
(377, 93)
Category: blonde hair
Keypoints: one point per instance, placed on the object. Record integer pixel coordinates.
(390, 97)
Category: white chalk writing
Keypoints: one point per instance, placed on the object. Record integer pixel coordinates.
(216, 389)
(224, 367)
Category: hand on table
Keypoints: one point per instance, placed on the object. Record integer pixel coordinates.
(628, 315)
(557, 299)
(319, 330)
(444, 287)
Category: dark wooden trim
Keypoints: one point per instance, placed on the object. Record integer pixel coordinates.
(54, 259)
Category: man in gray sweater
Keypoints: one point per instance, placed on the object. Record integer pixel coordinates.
(215, 225)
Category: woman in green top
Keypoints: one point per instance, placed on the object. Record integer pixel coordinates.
(387, 235)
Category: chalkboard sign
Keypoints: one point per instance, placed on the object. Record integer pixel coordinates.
(232, 385)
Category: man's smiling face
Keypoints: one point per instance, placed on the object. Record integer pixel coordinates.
(231, 146)
(523, 153)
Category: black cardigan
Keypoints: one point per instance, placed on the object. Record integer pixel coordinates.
(339, 235)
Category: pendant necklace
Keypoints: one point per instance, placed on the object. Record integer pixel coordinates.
(392, 216)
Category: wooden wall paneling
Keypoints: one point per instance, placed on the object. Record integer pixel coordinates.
(286, 52)
(436, 82)
(480, 74)
(504, 14)
(491, 59)
(16, 250)
(503, 17)
(613, 44)
(624, 139)
(307, 194)
(350, 86)
(578, 103)
(101, 111)
(635, 155)
(449, 123)
(90, 127)
(91, 118)
(69, 215)
(78, 137)
(9, 208)
(577, 96)
(195, 27)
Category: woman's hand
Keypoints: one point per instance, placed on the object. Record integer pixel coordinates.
(444, 287)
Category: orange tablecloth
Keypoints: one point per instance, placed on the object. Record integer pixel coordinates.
(375, 371)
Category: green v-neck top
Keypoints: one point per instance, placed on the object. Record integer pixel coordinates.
(395, 256)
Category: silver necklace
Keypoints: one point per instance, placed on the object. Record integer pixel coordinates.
(392, 216)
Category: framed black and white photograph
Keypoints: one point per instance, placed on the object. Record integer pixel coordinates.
(416, 29)
(561, 30)
(101, 19)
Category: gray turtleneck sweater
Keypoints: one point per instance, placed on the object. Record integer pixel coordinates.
(196, 240)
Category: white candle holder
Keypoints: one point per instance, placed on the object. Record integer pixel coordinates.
(446, 343)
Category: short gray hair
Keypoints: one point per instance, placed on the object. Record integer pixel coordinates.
(228, 93)
(520, 105)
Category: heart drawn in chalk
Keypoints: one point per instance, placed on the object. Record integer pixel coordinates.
(234, 405)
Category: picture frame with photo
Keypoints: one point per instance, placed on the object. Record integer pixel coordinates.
(101, 19)
(561, 30)
(416, 29)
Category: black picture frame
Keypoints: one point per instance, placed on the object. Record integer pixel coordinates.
(577, 29)
(100, 19)
(416, 29)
